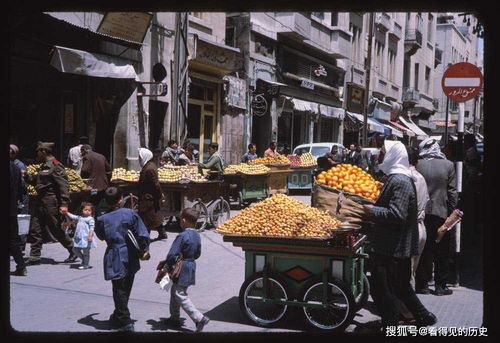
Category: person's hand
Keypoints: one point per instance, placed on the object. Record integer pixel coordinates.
(63, 209)
(146, 256)
(90, 238)
(367, 209)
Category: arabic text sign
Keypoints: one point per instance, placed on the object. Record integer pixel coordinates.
(131, 26)
(462, 81)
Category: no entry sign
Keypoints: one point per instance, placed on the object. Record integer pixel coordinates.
(462, 81)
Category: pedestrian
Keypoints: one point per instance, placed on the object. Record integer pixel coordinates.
(83, 239)
(251, 153)
(51, 202)
(150, 194)
(187, 243)
(187, 156)
(439, 174)
(215, 162)
(364, 158)
(24, 204)
(395, 240)
(171, 154)
(16, 193)
(286, 150)
(121, 259)
(75, 154)
(271, 151)
(333, 157)
(96, 167)
(353, 156)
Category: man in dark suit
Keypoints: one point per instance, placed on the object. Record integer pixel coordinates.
(16, 195)
(354, 156)
(439, 174)
(95, 167)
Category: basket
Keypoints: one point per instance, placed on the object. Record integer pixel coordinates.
(23, 221)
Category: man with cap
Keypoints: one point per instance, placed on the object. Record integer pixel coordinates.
(51, 202)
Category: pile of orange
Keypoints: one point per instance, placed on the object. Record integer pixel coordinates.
(351, 179)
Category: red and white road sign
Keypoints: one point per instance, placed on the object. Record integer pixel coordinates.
(462, 81)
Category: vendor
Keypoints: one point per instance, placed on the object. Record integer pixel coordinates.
(171, 154)
(215, 162)
(251, 154)
(271, 152)
(187, 156)
(333, 157)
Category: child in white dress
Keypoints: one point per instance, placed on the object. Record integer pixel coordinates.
(84, 239)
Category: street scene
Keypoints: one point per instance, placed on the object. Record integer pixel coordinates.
(247, 172)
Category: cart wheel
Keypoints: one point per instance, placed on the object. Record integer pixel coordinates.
(339, 311)
(131, 201)
(240, 200)
(362, 298)
(251, 299)
(203, 219)
(220, 212)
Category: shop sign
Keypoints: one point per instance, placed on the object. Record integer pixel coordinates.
(320, 71)
(131, 26)
(355, 98)
(259, 105)
(307, 84)
(236, 92)
(219, 57)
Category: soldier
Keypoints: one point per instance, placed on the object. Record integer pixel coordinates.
(52, 200)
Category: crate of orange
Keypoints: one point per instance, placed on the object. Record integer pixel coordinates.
(343, 190)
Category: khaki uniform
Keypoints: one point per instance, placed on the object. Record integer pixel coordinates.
(52, 187)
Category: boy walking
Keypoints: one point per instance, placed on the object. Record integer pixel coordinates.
(187, 243)
(121, 259)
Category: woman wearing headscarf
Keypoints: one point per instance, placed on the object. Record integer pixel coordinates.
(150, 194)
(395, 239)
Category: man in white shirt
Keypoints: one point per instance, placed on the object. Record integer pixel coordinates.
(75, 155)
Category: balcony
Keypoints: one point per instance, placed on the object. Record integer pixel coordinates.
(340, 44)
(413, 41)
(294, 25)
(383, 22)
(410, 96)
(396, 32)
(435, 104)
(438, 57)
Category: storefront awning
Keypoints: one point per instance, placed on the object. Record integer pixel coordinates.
(421, 135)
(438, 138)
(382, 110)
(80, 62)
(274, 83)
(324, 110)
(387, 131)
(372, 124)
(394, 131)
(405, 130)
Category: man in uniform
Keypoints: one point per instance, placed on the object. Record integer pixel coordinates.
(51, 202)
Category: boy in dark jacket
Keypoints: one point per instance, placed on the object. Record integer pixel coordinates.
(187, 243)
(121, 260)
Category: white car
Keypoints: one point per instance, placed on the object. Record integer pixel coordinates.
(317, 149)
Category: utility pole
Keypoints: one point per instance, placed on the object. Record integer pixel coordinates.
(367, 79)
(180, 79)
(446, 123)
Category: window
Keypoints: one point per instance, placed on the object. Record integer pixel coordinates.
(230, 36)
(453, 106)
(416, 76)
(198, 15)
(392, 65)
(467, 114)
(430, 26)
(427, 80)
(355, 42)
(264, 46)
(319, 15)
(335, 19)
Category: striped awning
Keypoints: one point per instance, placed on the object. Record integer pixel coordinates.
(313, 107)
(394, 131)
(372, 124)
(421, 135)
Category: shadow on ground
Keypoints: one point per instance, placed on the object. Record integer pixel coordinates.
(161, 325)
(95, 323)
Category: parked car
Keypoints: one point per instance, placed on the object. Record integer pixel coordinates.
(317, 149)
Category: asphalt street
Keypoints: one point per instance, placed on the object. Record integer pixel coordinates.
(81, 300)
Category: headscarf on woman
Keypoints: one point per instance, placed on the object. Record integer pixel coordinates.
(429, 149)
(396, 159)
(145, 156)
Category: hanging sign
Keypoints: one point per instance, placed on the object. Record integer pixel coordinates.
(259, 105)
(131, 26)
(462, 81)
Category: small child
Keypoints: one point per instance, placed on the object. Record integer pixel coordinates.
(84, 234)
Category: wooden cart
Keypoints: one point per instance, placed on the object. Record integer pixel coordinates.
(300, 178)
(323, 276)
(245, 188)
(278, 178)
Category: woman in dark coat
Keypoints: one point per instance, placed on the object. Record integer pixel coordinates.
(150, 194)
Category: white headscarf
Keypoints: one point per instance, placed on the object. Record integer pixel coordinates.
(144, 156)
(429, 149)
(396, 159)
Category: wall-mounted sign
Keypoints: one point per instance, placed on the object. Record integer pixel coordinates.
(320, 71)
(211, 54)
(131, 26)
(307, 84)
(236, 92)
(355, 98)
(259, 105)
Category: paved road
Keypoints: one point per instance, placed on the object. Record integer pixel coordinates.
(81, 300)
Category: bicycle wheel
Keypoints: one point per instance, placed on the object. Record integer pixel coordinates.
(251, 299)
(220, 212)
(131, 201)
(362, 298)
(203, 219)
(339, 309)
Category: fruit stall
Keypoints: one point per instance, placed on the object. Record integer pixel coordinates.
(302, 167)
(298, 256)
(247, 183)
(183, 187)
(278, 174)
